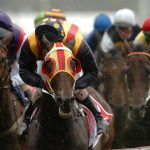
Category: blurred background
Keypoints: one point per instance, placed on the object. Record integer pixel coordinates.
(80, 12)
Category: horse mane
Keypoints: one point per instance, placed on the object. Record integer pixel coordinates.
(113, 54)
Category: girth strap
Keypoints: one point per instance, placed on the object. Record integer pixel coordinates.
(12, 128)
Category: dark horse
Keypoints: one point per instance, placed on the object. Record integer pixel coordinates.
(138, 82)
(60, 122)
(10, 108)
(116, 93)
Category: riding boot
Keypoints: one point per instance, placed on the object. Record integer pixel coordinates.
(101, 123)
(26, 120)
(28, 93)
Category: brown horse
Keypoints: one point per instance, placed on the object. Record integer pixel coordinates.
(116, 93)
(138, 83)
(10, 108)
(60, 122)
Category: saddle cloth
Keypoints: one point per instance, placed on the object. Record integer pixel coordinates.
(93, 138)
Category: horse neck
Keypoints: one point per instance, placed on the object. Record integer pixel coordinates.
(117, 92)
(6, 108)
(5, 92)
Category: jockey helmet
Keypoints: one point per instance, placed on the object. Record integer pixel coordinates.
(146, 24)
(102, 22)
(5, 24)
(124, 18)
(53, 13)
(52, 29)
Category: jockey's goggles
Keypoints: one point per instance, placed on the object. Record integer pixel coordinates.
(124, 29)
(147, 33)
(100, 33)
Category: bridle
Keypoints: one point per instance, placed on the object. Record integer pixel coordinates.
(3, 79)
(138, 53)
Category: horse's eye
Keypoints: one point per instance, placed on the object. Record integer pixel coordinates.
(49, 67)
(73, 64)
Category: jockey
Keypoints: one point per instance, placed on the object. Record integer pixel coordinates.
(33, 49)
(143, 38)
(53, 13)
(11, 38)
(121, 34)
(101, 23)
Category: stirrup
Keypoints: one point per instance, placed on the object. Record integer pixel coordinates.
(101, 126)
(23, 129)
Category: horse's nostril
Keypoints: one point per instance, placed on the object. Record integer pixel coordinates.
(143, 111)
(130, 107)
(59, 100)
(143, 106)
(67, 106)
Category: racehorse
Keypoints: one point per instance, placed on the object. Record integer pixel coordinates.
(138, 82)
(10, 108)
(60, 122)
(116, 93)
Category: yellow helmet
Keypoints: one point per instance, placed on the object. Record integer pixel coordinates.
(51, 28)
(53, 13)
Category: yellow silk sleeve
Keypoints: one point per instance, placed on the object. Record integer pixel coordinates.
(33, 44)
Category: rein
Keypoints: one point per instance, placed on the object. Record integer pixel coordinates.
(5, 87)
(138, 53)
(16, 123)
(4, 79)
(12, 128)
(54, 98)
(51, 94)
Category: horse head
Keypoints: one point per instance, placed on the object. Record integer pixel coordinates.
(60, 68)
(138, 83)
(114, 75)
